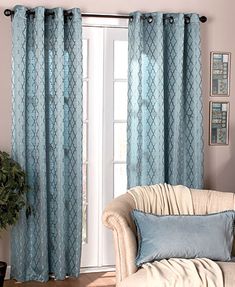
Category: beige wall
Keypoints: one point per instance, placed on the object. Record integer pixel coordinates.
(217, 35)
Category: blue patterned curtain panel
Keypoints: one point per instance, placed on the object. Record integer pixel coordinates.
(47, 142)
(164, 125)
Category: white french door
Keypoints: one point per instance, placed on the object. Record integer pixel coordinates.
(114, 127)
(105, 105)
(92, 144)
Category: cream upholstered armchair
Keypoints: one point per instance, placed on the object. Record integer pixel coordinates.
(117, 217)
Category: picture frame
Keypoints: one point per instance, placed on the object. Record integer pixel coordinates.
(220, 73)
(219, 123)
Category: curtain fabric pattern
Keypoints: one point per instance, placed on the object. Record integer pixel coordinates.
(164, 125)
(47, 142)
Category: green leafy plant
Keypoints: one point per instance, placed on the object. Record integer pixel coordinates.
(13, 189)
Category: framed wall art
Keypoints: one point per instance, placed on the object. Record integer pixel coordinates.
(220, 73)
(219, 123)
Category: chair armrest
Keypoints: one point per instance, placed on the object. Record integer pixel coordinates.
(116, 216)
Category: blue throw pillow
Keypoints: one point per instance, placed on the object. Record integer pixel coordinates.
(184, 236)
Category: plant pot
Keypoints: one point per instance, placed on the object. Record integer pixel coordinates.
(3, 268)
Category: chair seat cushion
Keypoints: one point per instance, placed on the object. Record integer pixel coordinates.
(139, 279)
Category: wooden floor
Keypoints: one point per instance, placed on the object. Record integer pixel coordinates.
(85, 280)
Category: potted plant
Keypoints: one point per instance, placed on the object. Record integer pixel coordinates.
(13, 188)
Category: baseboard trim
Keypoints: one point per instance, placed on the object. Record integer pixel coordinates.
(83, 270)
(97, 269)
(8, 272)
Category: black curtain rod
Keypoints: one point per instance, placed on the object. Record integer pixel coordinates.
(9, 12)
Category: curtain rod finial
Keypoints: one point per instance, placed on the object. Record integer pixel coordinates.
(203, 19)
(8, 12)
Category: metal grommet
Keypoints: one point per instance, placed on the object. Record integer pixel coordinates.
(187, 20)
(70, 16)
(150, 19)
(30, 13)
(171, 19)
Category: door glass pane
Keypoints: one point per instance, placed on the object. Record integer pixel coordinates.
(84, 55)
(120, 179)
(84, 202)
(120, 141)
(85, 128)
(120, 59)
(85, 101)
(120, 101)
